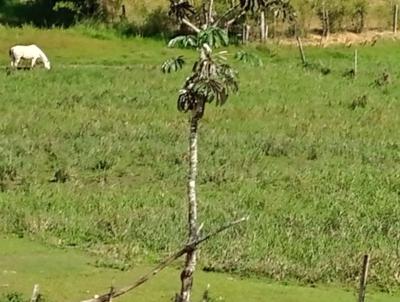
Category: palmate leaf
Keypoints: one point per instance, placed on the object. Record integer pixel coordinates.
(187, 100)
(181, 9)
(281, 8)
(172, 64)
(248, 58)
(229, 77)
(211, 90)
(183, 42)
(210, 81)
(215, 37)
(253, 5)
(284, 10)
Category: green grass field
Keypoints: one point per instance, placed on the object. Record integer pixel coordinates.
(313, 159)
(67, 275)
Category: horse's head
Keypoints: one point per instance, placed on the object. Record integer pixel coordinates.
(47, 65)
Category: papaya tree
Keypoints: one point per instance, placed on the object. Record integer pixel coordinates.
(211, 80)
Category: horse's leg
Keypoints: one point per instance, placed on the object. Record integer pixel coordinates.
(33, 62)
(16, 62)
(12, 58)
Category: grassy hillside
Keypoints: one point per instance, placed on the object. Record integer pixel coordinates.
(312, 158)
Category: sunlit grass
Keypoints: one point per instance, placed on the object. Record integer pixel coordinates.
(67, 275)
(318, 174)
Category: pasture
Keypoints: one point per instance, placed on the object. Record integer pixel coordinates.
(93, 155)
(70, 275)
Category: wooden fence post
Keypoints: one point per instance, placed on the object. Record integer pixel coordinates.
(363, 279)
(35, 293)
(395, 17)
(355, 62)
(275, 27)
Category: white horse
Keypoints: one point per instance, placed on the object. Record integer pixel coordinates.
(28, 52)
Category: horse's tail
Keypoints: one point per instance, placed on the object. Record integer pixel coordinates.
(11, 54)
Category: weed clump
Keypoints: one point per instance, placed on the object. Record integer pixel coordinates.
(319, 67)
(60, 176)
(18, 297)
(383, 80)
(7, 172)
(312, 153)
(359, 102)
(350, 73)
(103, 165)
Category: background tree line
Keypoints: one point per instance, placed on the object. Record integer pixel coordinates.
(150, 18)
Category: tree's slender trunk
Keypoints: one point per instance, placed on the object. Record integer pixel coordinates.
(248, 28)
(206, 14)
(263, 28)
(328, 24)
(325, 21)
(190, 263)
(123, 13)
(191, 25)
(246, 33)
(211, 12)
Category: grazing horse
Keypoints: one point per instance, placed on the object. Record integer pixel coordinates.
(28, 52)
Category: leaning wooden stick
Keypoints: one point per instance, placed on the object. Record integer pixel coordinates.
(363, 279)
(116, 293)
(301, 49)
(395, 18)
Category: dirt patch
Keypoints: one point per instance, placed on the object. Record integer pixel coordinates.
(345, 38)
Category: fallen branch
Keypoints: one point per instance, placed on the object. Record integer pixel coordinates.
(189, 247)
